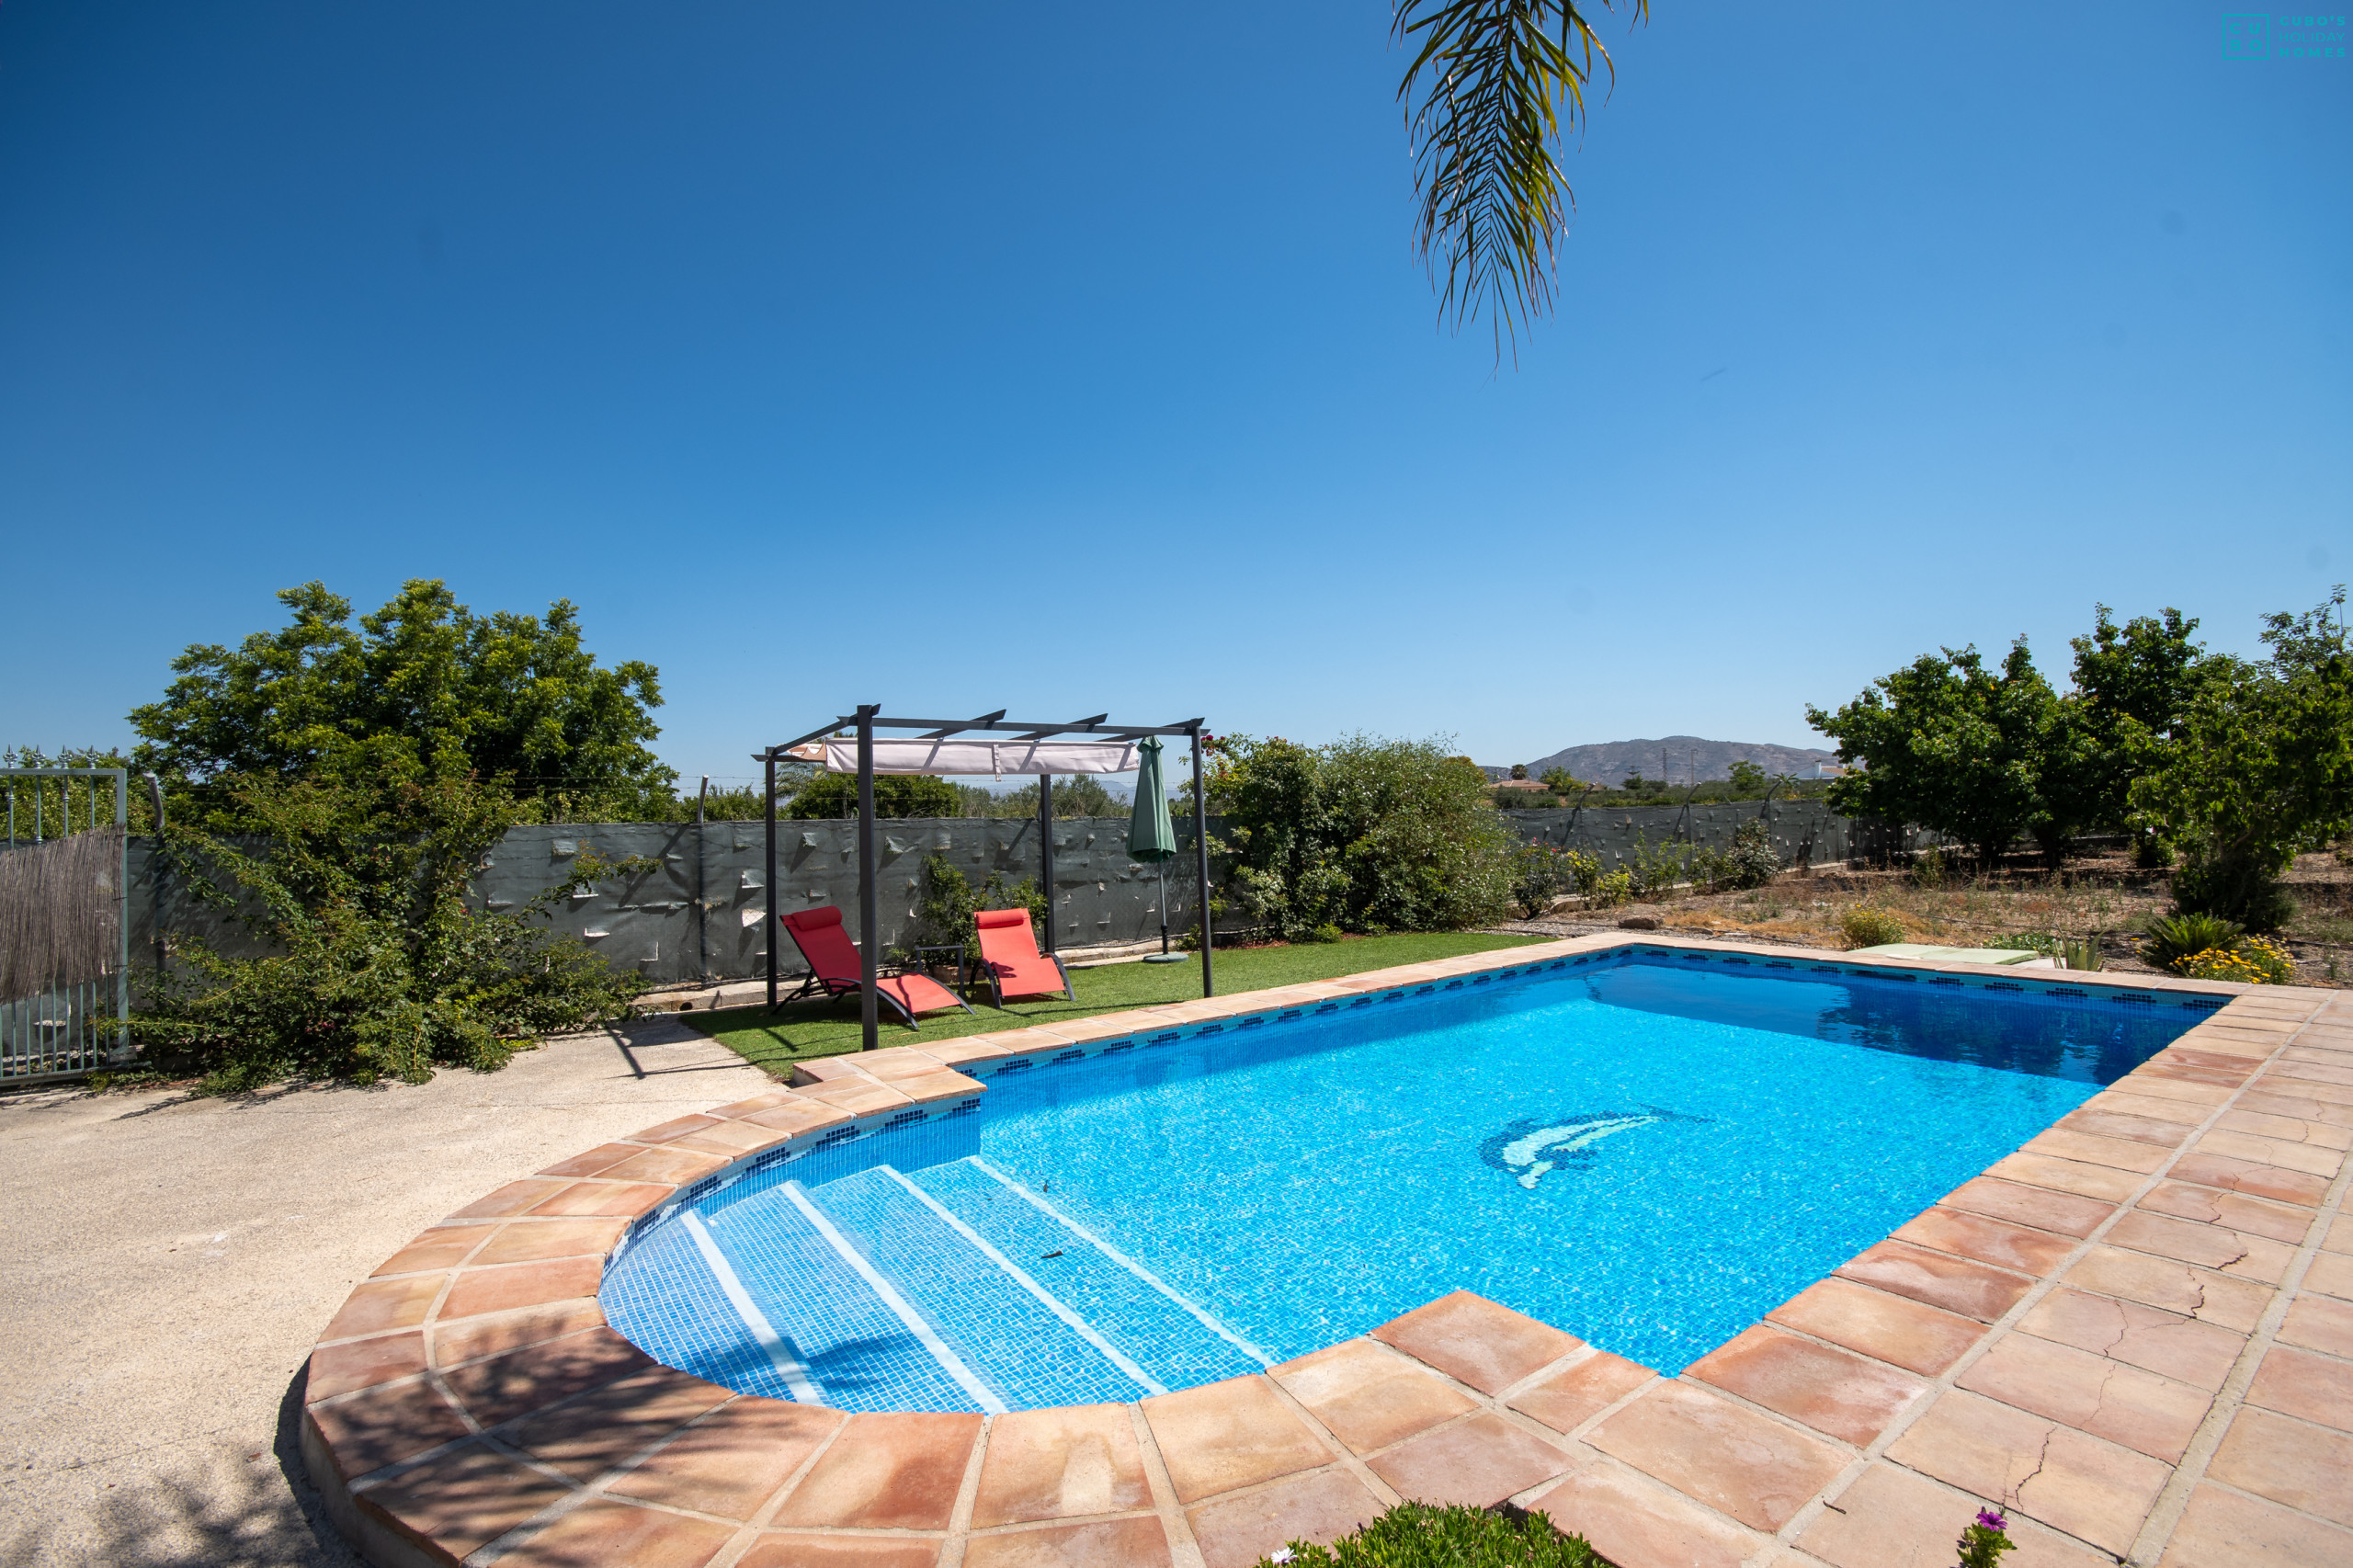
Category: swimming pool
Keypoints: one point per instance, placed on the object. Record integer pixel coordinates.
(1646, 1148)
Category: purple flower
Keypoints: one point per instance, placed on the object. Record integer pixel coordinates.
(1992, 1520)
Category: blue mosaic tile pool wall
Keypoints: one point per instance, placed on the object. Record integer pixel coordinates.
(1202, 1160)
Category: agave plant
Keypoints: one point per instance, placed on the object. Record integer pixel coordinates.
(2082, 954)
(2174, 939)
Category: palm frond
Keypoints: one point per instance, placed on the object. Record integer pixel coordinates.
(1491, 85)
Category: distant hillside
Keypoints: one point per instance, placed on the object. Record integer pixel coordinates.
(1678, 759)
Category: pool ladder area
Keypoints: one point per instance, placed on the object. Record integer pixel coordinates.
(954, 1287)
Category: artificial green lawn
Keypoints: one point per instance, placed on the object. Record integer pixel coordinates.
(805, 1029)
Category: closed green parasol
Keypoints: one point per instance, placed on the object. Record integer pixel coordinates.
(1151, 839)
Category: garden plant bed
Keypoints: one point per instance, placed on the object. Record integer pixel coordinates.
(2135, 1331)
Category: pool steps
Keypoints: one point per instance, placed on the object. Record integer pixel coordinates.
(998, 1299)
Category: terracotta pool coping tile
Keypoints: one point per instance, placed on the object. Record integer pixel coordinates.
(824, 1070)
(739, 1110)
(499, 1390)
(926, 1089)
(1895, 1329)
(2122, 1100)
(2305, 1107)
(2206, 1245)
(1023, 1042)
(2146, 1411)
(1226, 1436)
(2176, 1287)
(528, 1239)
(885, 1471)
(1369, 1396)
(1894, 1515)
(2249, 1176)
(2236, 1210)
(379, 1306)
(2180, 1091)
(2309, 1072)
(673, 1164)
(1476, 1461)
(1985, 1240)
(1141, 1542)
(677, 1127)
(603, 1531)
(1835, 1392)
(2086, 1148)
(515, 1198)
(2291, 1463)
(383, 1425)
(435, 1251)
(798, 1116)
(1745, 1466)
(1106, 1026)
(2241, 1118)
(461, 1500)
(733, 1461)
(2339, 1237)
(2319, 1323)
(1476, 1341)
(1581, 1390)
(2124, 1125)
(2220, 1528)
(1234, 1530)
(2099, 1182)
(734, 1140)
(585, 1437)
(2063, 1213)
(363, 1363)
(800, 1548)
(1064, 1463)
(2331, 1274)
(2318, 1389)
(470, 1339)
(2305, 1157)
(595, 1160)
(504, 1287)
(1937, 1278)
(2138, 1334)
(896, 1061)
(1636, 1522)
(2092, 1489)
(588, 1200)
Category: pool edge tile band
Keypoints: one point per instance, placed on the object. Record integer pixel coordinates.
(791, 1368)
(1046, 1299)
(950, 1362)
(1200, 1313)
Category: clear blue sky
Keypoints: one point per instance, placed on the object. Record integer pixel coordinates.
(1072, 357)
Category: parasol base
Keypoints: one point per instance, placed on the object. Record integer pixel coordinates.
(1168, 957)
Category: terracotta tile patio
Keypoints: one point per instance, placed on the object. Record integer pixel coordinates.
(2135, 1334)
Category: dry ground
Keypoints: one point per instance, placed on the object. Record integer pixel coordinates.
(2104, 897)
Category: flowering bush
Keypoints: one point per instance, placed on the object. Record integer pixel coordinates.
(1598, 888)
(2253, 961)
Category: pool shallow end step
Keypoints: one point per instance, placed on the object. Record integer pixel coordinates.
(2103, 1298)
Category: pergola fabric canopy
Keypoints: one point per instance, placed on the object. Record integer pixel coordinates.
(996, 758)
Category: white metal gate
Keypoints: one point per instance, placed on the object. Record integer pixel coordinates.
(64, 926)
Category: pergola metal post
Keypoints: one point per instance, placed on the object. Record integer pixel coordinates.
(1046, 847)
(768, 793)
(1202, 856)
(869, 916)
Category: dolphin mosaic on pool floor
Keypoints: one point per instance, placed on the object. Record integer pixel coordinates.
(2135, 1333)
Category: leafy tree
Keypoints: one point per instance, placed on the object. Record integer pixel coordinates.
(1362, 835)
(1949, 745)
(2263, 768)
(1562, 782)
(2133, 683)
(1075, 795)
(419, 691)
(834, 795)
(1748, 781)
(378, 968)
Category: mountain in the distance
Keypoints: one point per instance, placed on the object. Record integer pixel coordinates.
(1678, 759)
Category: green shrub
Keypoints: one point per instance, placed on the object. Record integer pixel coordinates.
(2176, 938)
(1928, 869)
(2253, 961)
(379, 969)
(1419, 1535)
(1540, 872)
(1600, 889)
(1750, 862)
(1658, 868)
(832, 796)
(946, 903)
(1864, 927)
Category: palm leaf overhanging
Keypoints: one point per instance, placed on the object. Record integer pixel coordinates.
(1491, 85)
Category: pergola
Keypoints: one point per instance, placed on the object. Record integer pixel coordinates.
(1036, 748)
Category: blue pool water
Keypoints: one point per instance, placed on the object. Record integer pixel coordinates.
(1647, 1152)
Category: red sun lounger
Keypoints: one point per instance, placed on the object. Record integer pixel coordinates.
(1010, 957)
(836, 969)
